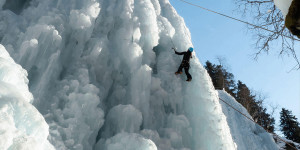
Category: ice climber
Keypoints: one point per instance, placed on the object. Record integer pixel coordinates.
(185, 62)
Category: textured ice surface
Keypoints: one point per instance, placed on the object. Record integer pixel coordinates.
(22, 127)
(102, 75)
(246, 134)
(127, 141)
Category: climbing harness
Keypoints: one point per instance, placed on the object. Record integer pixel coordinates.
(189, 3)
(257, 123)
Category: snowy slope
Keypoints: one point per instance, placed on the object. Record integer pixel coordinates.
(246, 134)
(283, 146)
(102, 75)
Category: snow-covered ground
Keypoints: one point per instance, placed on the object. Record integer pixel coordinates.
(246, 134)
(282, 143)
(101, 73)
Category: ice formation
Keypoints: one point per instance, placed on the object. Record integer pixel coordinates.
(246, 134)
(128, 141)
(102, 75)
(22, 127)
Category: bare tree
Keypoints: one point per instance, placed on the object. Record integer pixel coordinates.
(223, 62)
(269, 27)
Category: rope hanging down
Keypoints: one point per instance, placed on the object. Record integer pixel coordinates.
(258, 124)
(238, 19)
(169, 34)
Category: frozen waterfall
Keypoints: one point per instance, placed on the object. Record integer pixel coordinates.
(102, 76)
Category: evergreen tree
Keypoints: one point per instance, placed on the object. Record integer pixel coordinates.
(221, 78)
(211, 71)
(254, 107)
(244, 96)
(229, 83)
(289, 125)
(265, 120)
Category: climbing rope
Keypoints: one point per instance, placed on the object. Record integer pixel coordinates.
(172, 41)
(238, 20)
(258, 124)
(168, 34)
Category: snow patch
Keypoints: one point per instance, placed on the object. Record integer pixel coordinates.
(283, 5)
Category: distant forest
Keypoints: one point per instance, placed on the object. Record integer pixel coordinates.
(253, 102)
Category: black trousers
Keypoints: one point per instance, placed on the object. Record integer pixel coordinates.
(186, 69)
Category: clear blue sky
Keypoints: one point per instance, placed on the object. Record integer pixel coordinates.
(215, 35)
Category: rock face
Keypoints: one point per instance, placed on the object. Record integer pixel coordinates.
(292, 19)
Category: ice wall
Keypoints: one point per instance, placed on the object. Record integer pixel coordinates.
(102, 75)
(246, 134)
(22, 127)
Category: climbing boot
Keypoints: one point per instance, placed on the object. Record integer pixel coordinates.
(189, 80)
(178, 73)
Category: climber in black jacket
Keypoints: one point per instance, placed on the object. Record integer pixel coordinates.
(185, 62)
